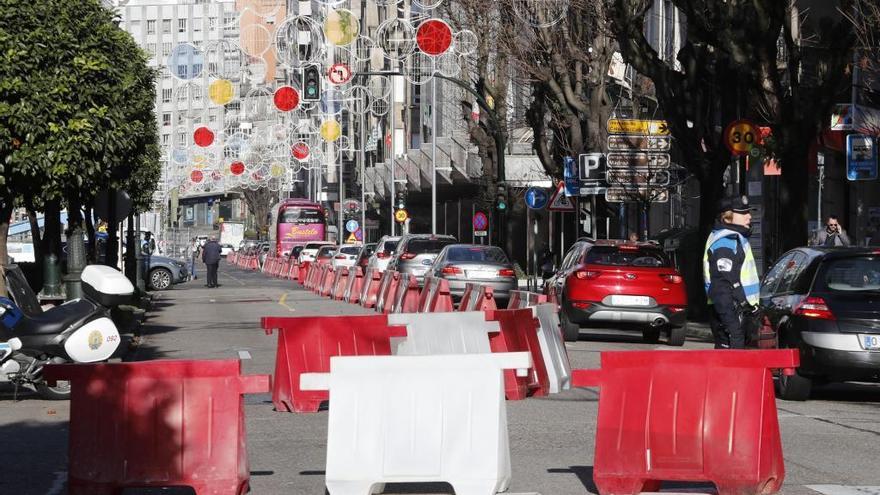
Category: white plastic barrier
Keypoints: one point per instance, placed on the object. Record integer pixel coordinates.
(442, 333)
(553, 347)
(398, 419)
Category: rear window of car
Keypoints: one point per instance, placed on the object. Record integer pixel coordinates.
(350, 250)
(324, 251)
(489, 254)
(427, 246)
(389, 246)
(314, 245)
(636, 256)
(849, 274)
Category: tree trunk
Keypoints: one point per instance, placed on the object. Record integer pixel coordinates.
(36, 238)
(5, 215)
(92, 251)
(52, 228)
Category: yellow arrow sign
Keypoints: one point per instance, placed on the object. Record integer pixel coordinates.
(638, 126)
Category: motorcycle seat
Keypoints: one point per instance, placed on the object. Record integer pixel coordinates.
(57, 319)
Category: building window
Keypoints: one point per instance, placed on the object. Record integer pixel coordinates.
(197, 24)
(166, 49)
(212, 23)
(228, 19)
(182, 95)
(151, 26)
(166, 25)
(166, 138)
(181, 25)
(166, 95)
(181, 137)
(197, 43)
(166, 118)
(197, 69)
(182, 71)
(212, 117)
(196, 92)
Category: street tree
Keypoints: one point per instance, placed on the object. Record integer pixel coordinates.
(76, 115)
(766, 60)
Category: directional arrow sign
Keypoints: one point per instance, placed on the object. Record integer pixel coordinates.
(617, 142)
(638, 126)
(638, 176)
(644, 160)
(622, 195)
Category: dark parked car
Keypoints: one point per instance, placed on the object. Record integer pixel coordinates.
(825, 302)
(416, 253)
(461, 264)
(163, 272)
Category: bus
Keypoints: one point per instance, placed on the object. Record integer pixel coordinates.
(297, 221)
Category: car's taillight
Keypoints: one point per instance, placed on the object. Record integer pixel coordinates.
(407, 256)
(587, 274)
(581, 304)
(381, 256)
(506, 272)
(671, 278)
(451, 270)
(814, 307)
(341, 257)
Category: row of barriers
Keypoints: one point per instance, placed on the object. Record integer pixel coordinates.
(420, 397)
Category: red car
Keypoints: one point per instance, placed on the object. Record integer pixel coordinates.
(609, 281)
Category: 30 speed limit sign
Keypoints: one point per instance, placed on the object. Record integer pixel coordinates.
(740, 136)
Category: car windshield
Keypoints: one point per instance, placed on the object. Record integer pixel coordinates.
(314, 245)
(849, 274)
(301, 215)
(296, 250)
(389, 246)
(350, 250)
(627, 256)
(480, 254)
(428, 246)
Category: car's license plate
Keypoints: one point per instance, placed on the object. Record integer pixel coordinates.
(871, 342)
(630, 301)
(481, 274)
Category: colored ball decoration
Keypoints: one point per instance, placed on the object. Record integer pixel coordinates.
(434, 37)
(300, 151)
(286, 98)
(196, 176)
(236, 168)
(330, 130)
(203, 137)
(221, 92)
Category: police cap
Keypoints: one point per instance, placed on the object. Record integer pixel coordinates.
(736, 204)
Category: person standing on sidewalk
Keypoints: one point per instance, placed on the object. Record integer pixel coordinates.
(211, 258)
(731, 276)
(192, 253)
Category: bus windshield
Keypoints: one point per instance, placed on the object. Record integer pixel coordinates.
(301, 216)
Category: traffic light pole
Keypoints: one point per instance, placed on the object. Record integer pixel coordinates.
(434, 157)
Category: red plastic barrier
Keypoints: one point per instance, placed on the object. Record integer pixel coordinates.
(157, 424)
(386, 299)
(477, 297)
(688, 415)
(341, 283)
(370, 290)
(355, 282)
(306, 344)
(329, 279)
(319, 277)
(384, 284)
(255, 263)
(407, 298)
(435, 296)
(304, 273)
(523, 299)
(519, 333)
(293, 274)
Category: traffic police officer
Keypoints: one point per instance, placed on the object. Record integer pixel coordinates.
(730, 274)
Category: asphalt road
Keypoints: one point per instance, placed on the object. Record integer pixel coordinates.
(831, 443)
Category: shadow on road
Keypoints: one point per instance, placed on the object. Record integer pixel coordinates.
(867, 393)
(585, 475)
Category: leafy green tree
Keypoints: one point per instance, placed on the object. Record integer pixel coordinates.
(76, 108)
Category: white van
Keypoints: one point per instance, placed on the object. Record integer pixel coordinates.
(21, 252)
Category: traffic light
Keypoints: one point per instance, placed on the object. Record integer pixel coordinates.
(400, 200)
(501, 199)
(311, 84)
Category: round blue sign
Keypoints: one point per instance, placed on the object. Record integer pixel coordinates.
(480, 221)
(536, 198)
(351, 225)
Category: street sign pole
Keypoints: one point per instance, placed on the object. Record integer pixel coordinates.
(434, 156)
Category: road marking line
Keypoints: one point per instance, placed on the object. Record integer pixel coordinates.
(845, 490)
(283, 302)
(244, 355)
(234, 278)
(58, 483)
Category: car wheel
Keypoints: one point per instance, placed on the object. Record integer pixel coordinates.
(651, 335)
(571, 331)
(160, 279)
(677, 335)
(794, 387)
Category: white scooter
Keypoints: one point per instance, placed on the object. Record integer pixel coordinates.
(79, 331)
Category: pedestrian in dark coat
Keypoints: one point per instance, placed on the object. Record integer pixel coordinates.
(211, 258)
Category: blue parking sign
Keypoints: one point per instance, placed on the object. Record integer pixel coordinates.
(572, 178)
(861, 157)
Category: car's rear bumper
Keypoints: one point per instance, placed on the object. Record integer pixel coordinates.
(500, 290)
(601, 313)
(838, 356)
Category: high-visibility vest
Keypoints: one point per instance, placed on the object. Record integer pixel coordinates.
(748, 275)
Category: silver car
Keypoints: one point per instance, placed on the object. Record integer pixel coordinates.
(416, 253)
(461, 264)
(384, 252)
